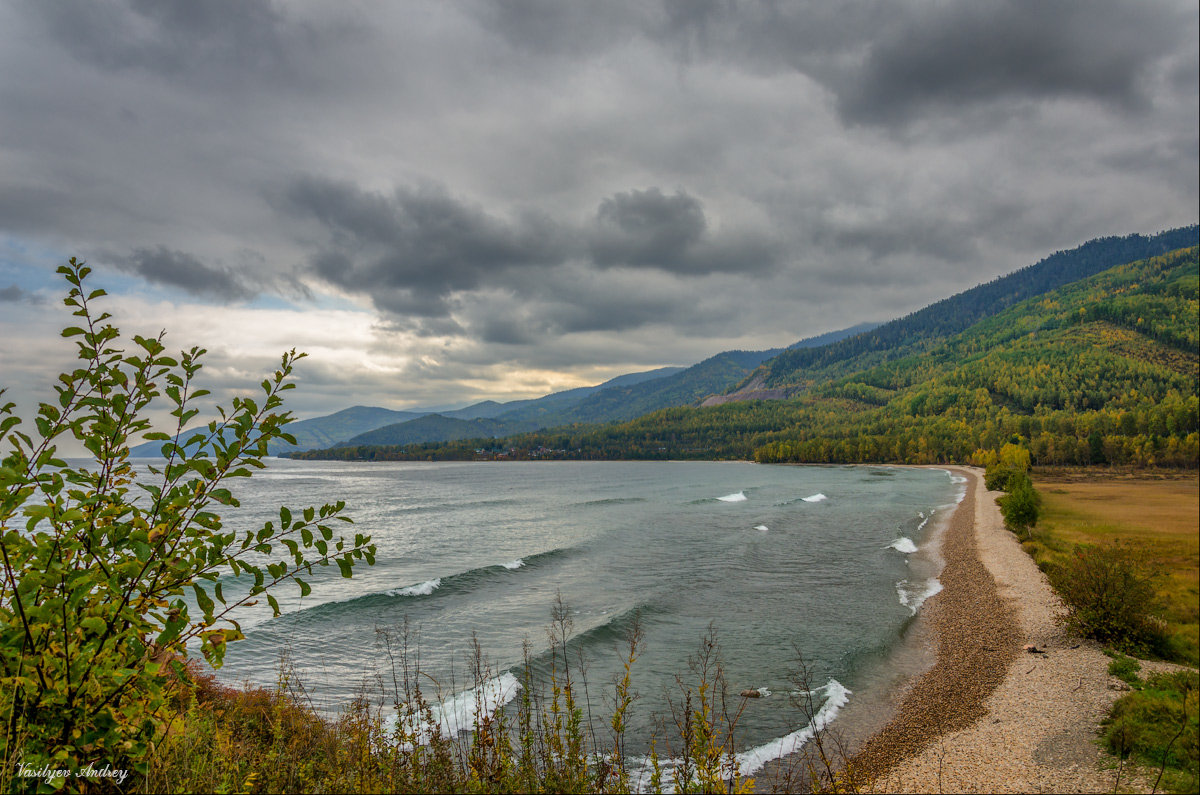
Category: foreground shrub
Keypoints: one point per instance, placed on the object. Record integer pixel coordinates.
(1157, 725)
(96, 564)
(1110, 596)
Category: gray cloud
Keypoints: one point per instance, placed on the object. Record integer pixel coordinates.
(412, 249)
(161, 265)
(15, 295)
(647, 229)
(947, 57)
(210, 42)
(530, 186)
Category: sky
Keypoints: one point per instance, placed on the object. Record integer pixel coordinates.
(444, 202)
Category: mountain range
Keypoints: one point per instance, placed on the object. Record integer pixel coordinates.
(729, 377)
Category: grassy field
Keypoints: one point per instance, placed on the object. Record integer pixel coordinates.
(1158, 517)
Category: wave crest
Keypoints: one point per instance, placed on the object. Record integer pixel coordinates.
(913, 595)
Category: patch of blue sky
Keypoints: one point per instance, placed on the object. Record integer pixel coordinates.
(29, 265)
(267, 301)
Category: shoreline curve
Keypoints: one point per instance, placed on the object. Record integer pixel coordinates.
(989, 717)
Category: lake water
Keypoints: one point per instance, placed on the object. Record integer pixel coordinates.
(824, 560)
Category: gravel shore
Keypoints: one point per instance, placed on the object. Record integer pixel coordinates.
(989, 716)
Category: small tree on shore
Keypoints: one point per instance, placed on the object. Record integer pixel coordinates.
(1021, 506)
(97, 558)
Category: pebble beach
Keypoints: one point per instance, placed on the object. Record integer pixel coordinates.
(990, 716)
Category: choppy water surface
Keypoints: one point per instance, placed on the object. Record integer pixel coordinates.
(822, 559)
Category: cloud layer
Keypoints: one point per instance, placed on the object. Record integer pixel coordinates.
(504, 198)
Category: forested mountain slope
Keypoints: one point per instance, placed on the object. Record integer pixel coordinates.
(1102, 370)
(795, 370)
(622, 398)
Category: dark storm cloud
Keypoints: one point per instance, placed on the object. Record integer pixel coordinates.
(164, 266)
(647, 229)
(949, 56)
(886, 63)
(412, 249)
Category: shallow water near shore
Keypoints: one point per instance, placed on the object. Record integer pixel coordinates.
(832, 562)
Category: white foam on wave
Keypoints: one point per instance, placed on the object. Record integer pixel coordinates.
(913, 595)
(751, 761)
(513, 564)
(423, 589)
(761, 527)
(815, 498)
(764, 692)
(738, 497)
(903, 544)
(461, 712)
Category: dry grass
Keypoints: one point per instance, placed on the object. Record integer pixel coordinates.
(1159, 517)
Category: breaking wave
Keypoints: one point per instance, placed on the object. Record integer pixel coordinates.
(913, 595)
(751, 761)
(436, 587)
(815, 498)
(460, 713)
(424, 589)
(736, 497)
(903, 544)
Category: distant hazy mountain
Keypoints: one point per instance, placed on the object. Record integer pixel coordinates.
(316, 432)
(331, 429)
(534, 407)
(622, 398)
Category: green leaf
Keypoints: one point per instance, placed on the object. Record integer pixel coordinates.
(93, 624)
(202, 599)
(141, 550)
(346, 567)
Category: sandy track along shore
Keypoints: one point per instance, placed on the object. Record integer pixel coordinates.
(989, 716)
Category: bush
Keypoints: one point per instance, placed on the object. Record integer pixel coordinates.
(1011, 462)
(1125, 668)
(1021, 506)
(1110, 596)
(1158, 724)
(96, 563)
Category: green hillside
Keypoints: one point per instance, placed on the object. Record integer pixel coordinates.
(926, 328)
(1103, 370)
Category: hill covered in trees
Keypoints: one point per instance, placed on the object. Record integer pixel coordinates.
(1101, 370)
(798, 369)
